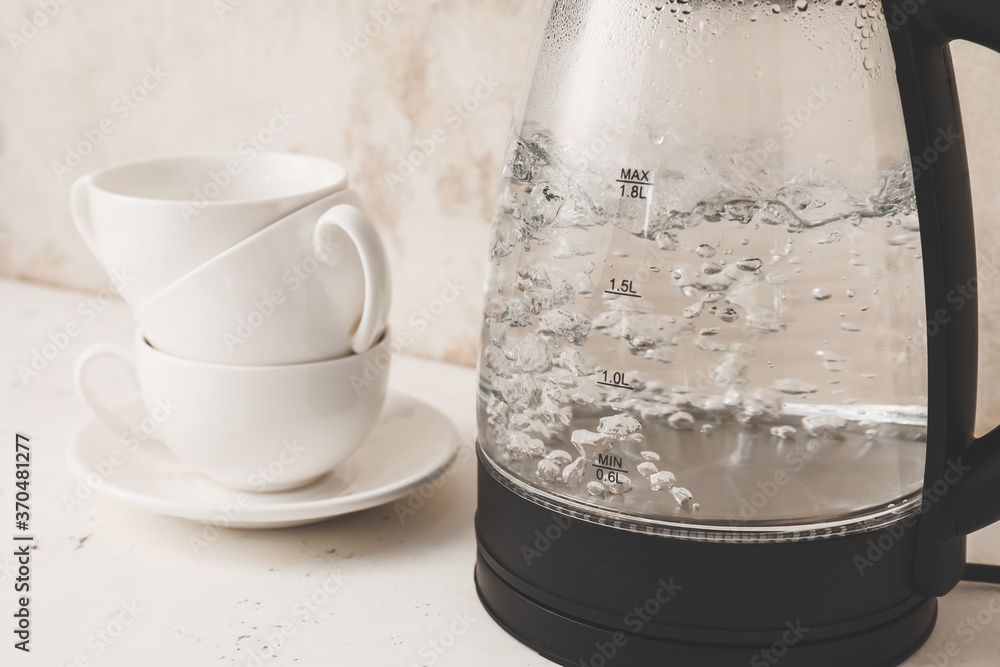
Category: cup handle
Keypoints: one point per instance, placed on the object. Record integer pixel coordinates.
(88, 395)
(378, 290)
(79, 203)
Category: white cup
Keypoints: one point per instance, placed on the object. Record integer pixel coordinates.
(313, 286)
(151, 222)
(263, 429)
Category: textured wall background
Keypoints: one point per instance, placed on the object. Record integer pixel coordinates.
(230, 63)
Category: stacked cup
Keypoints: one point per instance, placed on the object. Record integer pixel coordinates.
(261, 292)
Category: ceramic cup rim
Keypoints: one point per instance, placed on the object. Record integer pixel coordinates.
(337, 183)
(381, 346)
(262, 236)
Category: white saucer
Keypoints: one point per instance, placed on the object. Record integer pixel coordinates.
(412, 444)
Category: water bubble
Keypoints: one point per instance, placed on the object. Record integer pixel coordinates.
(694, 311)
(706, 251)
(498, 333)
(591, 444)
(522, 446)
(682, 421)
(852, 293)
(667, 241)
(707, 429)
(662, 480)
(543, 206)
(705, 343)
(572, 474)
(728, 315)
(711, 268)
(646, 469)
(532, 353)
(784, 432)
(520, 163)
(731, 370)
(833, 362)
(750, 264)
(714, 297)
(560, 456)
(682, 495)
(802, 5)
(713, 331)
(650, 456)
(548, 470)
(595, 488)
(620, 485)
(824, 426)
(567, 324)
(848, 326)
(794, 387)
(575, 362)
(518, 312)
(619, 426)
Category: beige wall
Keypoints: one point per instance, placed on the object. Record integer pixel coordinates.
(227, 70)
(978, 74)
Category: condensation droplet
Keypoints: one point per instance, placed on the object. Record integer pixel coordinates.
(821, 294)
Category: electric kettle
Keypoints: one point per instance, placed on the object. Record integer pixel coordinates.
(728, 362)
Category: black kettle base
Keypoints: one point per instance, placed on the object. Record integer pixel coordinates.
(583, 594)
(571, 642)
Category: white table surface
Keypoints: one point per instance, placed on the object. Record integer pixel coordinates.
(405, 584)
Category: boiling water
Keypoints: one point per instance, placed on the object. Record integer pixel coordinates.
(719, 344)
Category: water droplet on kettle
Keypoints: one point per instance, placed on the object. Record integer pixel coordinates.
(821, 294)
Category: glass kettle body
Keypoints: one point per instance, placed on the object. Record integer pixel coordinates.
(712, 319)
(711, 262)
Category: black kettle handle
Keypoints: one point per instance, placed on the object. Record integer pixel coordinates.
(973, 20)
(962, 477)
